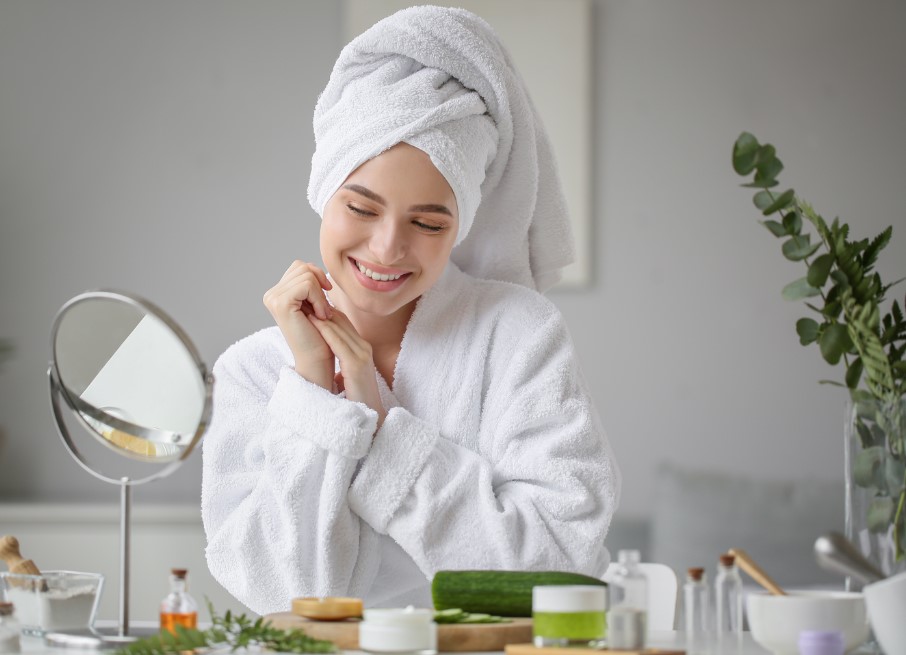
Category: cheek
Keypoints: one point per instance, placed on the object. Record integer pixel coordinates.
(335, 234)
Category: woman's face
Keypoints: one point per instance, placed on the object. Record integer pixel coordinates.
(387, 233)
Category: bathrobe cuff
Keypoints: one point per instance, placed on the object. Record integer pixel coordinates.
(397, 457)
(338, 425)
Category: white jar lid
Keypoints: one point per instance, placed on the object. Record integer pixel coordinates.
(398, 616)
(569, 598)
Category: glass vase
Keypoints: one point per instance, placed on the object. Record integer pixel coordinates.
(876, 479)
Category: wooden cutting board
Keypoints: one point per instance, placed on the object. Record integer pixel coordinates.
(450, 637)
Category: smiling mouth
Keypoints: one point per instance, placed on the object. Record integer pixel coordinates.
(377, 277)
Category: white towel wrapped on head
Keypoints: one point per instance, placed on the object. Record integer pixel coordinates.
(440, 80)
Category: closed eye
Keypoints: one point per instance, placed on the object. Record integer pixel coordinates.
(428, 227)
(359, 210)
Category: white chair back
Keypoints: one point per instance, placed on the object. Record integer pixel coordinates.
(661, 593)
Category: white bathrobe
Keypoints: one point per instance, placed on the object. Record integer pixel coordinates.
(491, 457)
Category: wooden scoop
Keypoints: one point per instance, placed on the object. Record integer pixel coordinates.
(749, 566)
(9, 553)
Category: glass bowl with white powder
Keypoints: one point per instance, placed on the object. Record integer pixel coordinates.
(54, 600)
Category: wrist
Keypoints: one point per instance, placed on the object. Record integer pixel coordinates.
(319, 373)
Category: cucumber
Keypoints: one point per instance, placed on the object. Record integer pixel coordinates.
(503, 593)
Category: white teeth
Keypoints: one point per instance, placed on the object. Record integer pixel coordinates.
(381, 277)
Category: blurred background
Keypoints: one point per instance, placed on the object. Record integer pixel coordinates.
(164, 147)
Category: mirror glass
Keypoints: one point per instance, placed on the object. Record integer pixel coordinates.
(133, 379)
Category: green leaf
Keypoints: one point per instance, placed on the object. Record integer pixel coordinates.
(807, 329)
(839, 277)
(766, 163)
(865, 437)
(834, 342)
(799, 289)
(798, 248)
(783, 201)
(877, 245)
(819, 270)
(894, 470)
(866, 465)
(762, 199)
(833, 309)
(854, 373)
(880, 514)
(776, 228)
(745, 152)
(878, 438)
(792, 221)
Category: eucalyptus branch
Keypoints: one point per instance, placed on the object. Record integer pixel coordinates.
(233, 631)
(872, 347)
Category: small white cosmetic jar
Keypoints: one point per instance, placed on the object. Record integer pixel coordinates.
(410, 630)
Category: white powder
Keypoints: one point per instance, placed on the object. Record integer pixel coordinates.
(54, 609)
(10, 644)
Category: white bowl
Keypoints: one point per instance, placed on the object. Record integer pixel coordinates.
(886, 602)
(777, 621)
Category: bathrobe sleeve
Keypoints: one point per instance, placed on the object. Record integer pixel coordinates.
(279, 457)
(537, 493)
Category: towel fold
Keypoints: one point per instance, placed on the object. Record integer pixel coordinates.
(440, 80)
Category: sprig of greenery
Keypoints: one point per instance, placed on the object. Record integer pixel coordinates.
(849, 327)
(233, 631)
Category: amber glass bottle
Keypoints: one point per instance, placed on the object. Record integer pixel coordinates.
(178, 608)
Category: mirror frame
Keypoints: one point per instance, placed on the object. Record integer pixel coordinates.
(59, 391)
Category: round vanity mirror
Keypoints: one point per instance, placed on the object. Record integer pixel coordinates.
(132, 379)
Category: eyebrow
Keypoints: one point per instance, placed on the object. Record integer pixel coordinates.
(371, 195)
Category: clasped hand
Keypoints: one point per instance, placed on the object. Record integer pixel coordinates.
(317, 332)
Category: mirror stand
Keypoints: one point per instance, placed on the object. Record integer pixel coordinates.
(135, 382)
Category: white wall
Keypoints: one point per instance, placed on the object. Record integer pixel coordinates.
(164, 147)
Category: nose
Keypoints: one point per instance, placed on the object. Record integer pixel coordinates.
(388, 241)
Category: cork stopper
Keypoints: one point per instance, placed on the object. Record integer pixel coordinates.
(6, 609)
(727, 559)
(695, 574)
(180, 573)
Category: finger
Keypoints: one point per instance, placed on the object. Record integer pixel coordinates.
(339, 341)
(299, 267)
(315, 295)
(322, 277)
(346, 344)
(302, 292)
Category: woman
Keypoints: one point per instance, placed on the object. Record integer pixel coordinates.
(418, 405)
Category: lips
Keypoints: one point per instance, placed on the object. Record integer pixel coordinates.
(378, 278)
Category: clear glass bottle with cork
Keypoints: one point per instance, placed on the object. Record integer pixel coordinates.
(696, 611)
(628, 603)
(178, 608)
(9, 629)
(728, 600)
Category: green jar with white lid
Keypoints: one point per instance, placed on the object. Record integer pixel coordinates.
(569, 615)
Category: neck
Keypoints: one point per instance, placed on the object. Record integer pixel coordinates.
(383, 332)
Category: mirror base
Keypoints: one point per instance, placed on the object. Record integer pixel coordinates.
(98, 638)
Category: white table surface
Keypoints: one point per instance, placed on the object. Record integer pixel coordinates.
(657, 639)
(676, 640)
